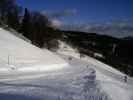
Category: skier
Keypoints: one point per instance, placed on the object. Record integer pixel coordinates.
(125, 79)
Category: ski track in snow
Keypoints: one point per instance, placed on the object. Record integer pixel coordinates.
(66, 84)
(29, 73)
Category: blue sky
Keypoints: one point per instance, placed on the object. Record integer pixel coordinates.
(84, 11)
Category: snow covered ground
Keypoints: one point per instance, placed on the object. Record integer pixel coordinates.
(17, 55)
(79, 79)
(67, 84)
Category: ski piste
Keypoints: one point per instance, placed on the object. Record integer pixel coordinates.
(60, 78)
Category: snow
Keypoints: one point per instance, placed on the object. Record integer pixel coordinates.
(98, 55)
(77, 79)
(67, 50)
(67, 84)
(72, 52)
(20, 55)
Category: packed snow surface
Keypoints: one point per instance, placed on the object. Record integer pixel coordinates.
(82, 78)
(79, 81)
(19, 55)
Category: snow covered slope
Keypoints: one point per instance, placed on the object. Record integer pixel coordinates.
(82, 78)
(18, 55)
(70, 83)
(65, 49)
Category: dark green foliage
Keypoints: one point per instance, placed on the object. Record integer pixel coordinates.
(5, 7)
(13, 18)
(35, 27)
(39, 29)
(9, 13)
(25, 25)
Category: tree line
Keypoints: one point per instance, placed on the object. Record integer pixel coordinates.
(32, 24)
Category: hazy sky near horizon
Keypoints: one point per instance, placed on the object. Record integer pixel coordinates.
(82, 11)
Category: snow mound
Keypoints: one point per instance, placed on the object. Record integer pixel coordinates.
(19, 55)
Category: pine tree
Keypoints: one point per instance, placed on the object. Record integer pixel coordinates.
(5, 7)
(25, 28)
(13, 18)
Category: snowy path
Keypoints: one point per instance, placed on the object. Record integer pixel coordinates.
(65, 84)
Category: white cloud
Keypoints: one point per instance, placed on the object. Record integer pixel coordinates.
(56, 23)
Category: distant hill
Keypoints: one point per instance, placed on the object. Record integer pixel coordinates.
(119, 29)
